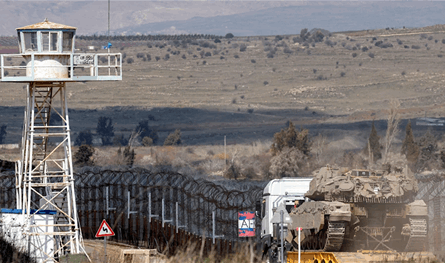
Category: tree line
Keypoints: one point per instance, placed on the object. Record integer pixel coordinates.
(148, 37)
(143, 134)
(294, 154)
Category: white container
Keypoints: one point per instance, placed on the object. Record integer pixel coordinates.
(14, 231)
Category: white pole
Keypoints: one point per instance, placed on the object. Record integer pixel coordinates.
(149, 207)
(163, 215)
(299, 244)
(108, 20)
(108, 39)
(128, 205)
(163, 212)
(106, 196)
(213, 225)
(225, 155)
(177, 218)
(105, 249)
(282, 236)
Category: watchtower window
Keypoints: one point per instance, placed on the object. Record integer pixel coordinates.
(20, 42)
(54, 41)
(67, 41)
(30, 41)
(45, 41)
(49, 41)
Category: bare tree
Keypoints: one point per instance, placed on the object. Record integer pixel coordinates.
(319, 145)
(290, 162)
(133, 138)
(233, 171)
(393, 127)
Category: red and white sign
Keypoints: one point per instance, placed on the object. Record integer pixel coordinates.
(104, 230)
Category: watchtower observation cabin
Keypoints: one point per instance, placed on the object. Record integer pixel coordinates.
(47, 54)
(44, 175)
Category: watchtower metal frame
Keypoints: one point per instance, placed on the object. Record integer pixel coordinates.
(44, 175)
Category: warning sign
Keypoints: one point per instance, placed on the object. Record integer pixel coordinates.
(104, 230)
(246, 224)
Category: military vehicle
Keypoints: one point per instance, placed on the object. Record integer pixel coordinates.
(360, 210)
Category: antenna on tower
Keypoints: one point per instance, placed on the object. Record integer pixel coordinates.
(108, 20)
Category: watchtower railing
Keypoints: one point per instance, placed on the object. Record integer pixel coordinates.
(80, 67)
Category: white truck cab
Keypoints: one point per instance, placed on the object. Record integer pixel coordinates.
(278, 191)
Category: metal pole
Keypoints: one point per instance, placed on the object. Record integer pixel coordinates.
(128, 204)
(108, 38)
(213, 225)
(108, 19)
(299, 244)
(225, 155)
(149, 207)
(150, 215)
(163, 215)
(177, 218)
(106, 196)
(105, 249)
(282, 236)
(163, 212)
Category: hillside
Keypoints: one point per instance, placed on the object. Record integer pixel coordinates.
(247, 88)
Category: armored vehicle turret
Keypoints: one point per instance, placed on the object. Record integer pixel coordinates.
(361, 209)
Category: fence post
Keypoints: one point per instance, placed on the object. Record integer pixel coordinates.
(107, 201)
(163, 215)
(150, 215)
(128, 206)
(214, 228)
(177, 219)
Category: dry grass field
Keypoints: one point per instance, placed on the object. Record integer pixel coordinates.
(237, 89)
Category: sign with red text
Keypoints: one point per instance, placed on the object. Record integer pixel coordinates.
(246, 224)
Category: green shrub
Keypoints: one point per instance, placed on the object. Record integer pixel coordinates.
(291, 138)
(105, 129)
(409, 147)
(173, 138)
(83, 156)
(147, 141)
(84, 138)
(145, 130)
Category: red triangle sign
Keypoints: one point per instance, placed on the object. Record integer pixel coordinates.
(104, 230)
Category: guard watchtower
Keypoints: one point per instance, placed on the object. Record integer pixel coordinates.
(44, 175)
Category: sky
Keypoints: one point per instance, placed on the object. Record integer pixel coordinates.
(243, 18)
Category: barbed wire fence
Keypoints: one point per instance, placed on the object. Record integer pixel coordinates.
(432, 191)
(144, 207)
